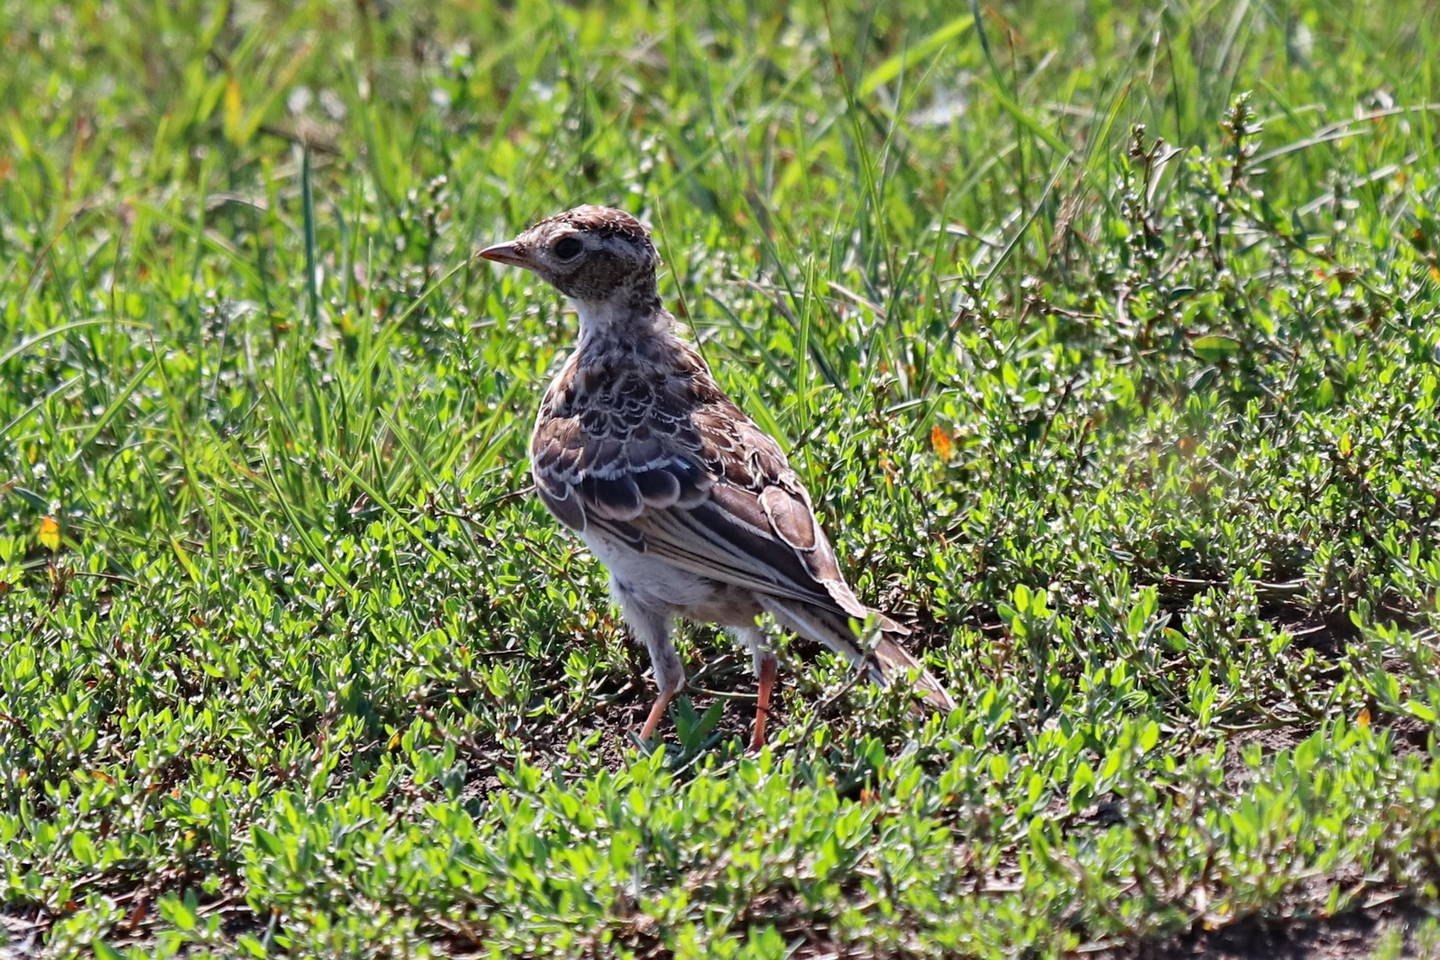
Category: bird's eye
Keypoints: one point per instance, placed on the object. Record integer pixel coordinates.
(568, 248)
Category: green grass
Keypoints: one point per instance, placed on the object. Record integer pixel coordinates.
(1136, 426)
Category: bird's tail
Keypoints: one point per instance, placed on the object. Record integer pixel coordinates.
(895, 659)
(886, 661)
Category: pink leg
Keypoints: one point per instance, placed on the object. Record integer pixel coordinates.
(762, 703)
(651, 627)
(657, 712)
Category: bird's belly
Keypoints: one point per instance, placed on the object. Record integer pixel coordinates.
(657, 583)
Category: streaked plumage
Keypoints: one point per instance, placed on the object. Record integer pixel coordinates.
(691, 506)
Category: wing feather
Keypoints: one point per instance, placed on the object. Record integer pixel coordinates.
(663, 461)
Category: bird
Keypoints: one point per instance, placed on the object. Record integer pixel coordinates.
(692, 507)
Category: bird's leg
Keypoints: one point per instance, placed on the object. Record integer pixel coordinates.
(651, 627)
(768, 665)
(657, 712)
(762, 659)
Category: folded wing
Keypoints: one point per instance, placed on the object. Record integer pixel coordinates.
(671, 467)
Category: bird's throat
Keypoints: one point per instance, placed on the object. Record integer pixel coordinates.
(620, 319)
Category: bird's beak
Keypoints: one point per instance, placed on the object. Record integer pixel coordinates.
(505, 253)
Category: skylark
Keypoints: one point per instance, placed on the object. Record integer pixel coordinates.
(691, 506)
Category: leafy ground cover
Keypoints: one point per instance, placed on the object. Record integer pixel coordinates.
(1106, 338)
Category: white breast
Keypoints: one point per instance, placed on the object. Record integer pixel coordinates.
(657, 583)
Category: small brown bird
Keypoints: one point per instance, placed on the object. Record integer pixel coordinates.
(691, 506)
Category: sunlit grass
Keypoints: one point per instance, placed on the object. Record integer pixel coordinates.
(1105, 338)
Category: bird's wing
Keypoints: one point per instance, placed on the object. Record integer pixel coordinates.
(665, 462)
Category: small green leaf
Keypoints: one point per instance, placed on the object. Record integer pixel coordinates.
(1421, 711)
(178, 912)
(1139, 616)
(1082, 781)
(1215, 347)
(267, 841)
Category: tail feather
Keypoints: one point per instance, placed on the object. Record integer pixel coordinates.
(894, 658)
(887, 660)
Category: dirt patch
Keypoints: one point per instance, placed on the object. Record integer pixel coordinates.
(617, 710)
(1411, 735)
(1408, 734)
(1351, 935)
(1271, 740)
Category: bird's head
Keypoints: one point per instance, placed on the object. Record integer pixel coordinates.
(598, 256)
